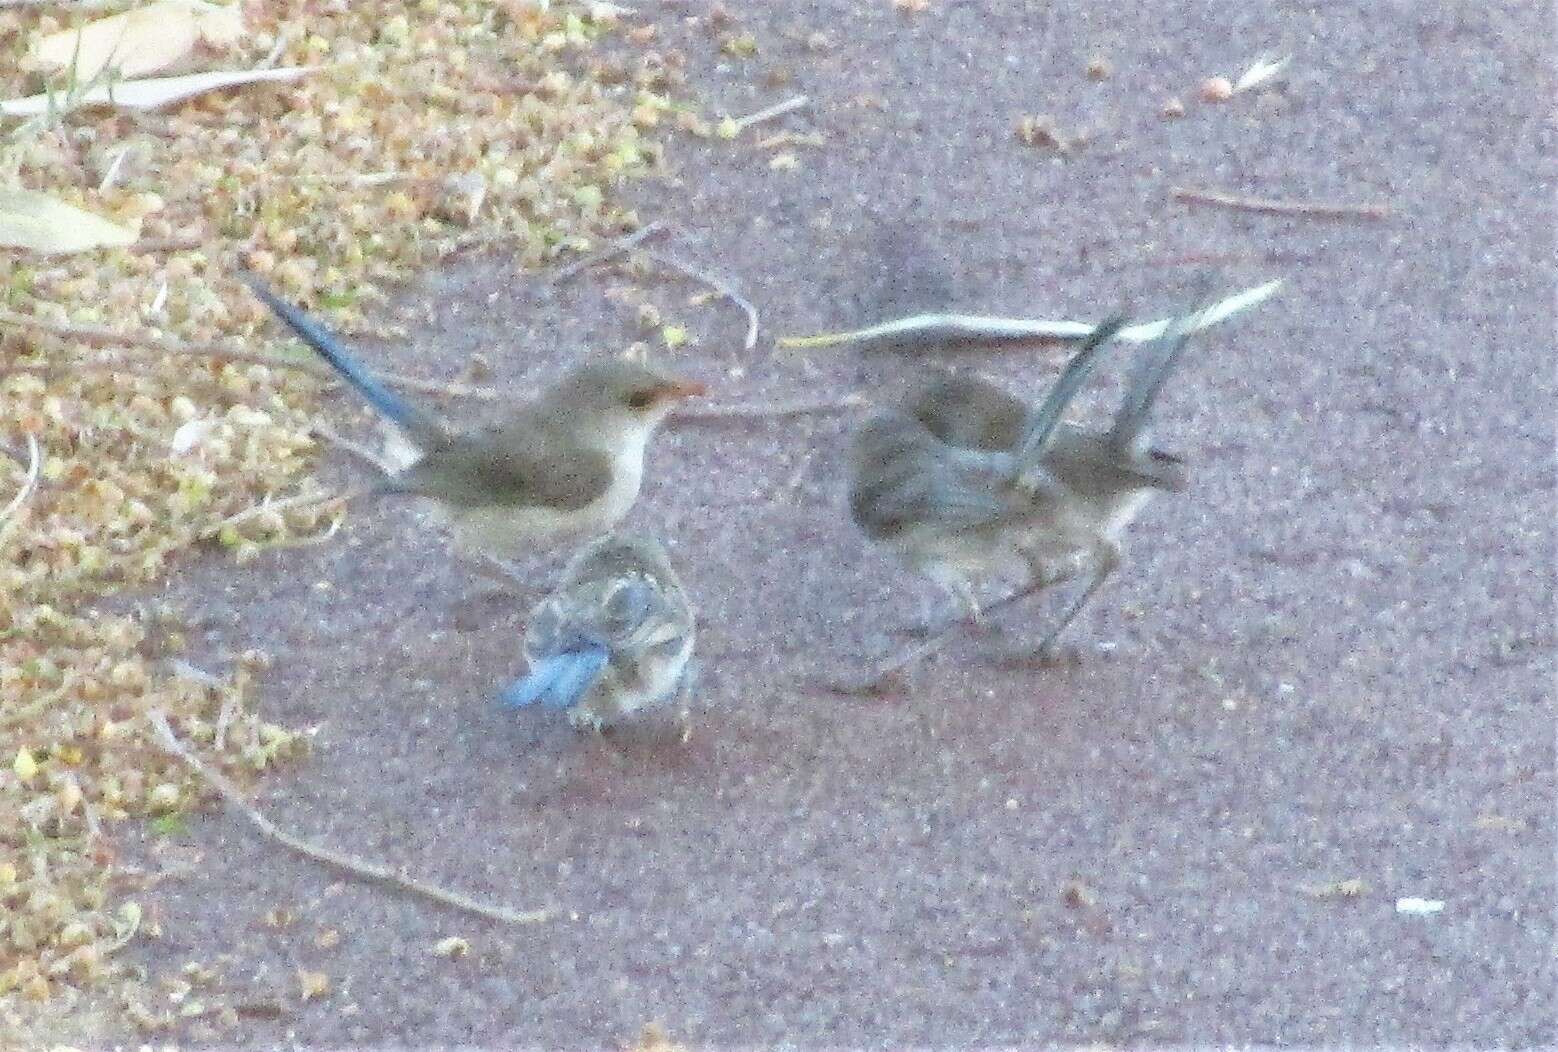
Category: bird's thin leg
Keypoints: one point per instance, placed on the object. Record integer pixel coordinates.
(936, 615)
(1107, 560)
(881, 677)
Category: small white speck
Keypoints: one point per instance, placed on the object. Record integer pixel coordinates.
(1011, 803)
(1416, 907)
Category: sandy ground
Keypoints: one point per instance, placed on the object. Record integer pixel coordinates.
(1331, 660)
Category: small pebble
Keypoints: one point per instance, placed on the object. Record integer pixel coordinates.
(1216, 89)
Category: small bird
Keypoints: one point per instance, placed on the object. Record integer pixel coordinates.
(616, 636)
(960, 511)
(1108, 476)
(567, 463)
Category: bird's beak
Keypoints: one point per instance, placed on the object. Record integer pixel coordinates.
(678, 389)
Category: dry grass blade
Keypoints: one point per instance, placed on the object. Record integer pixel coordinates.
(301, 500)
(948, 331)
(357, 867)
(718, 284)
(779, 109)
(102, 336)
(1271, 206)
(155, 92)
(723, 414)
(29, 484)
(611, 251)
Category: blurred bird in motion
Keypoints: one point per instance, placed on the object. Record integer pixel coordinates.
(566, 463)
(966, 482)
(1107, 476)
(616, 636)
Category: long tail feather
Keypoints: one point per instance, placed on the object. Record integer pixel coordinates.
(1047, 417)
(1154, 365)
(417, 424)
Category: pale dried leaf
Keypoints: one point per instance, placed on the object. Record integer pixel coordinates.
(155, 92)
(1260, 71)
(190, 435)
(146, 40)
(46, 224)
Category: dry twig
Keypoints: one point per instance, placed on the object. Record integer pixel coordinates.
(355, 449)
(950, 331)
(29, 484)
(723, 414)
(768, 113)
(616, 248)
(715, 282)
(1315, 209)
(366, 870)
(301, 500)
(102, 336)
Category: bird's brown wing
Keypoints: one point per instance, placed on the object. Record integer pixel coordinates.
(968, 411)
(491, 468)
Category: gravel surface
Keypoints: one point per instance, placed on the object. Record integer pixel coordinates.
(1331, 660)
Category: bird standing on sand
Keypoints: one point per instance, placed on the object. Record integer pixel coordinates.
(615, 637)
(966, 482)
(1107, 476)
(566, 463)
(958, 512)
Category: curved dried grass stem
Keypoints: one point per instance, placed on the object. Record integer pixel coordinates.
(1270, 206)
(29, 484)
(357, 867)
(715, 282)
(102, 336)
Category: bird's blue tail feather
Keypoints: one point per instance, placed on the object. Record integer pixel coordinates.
(558, 681)
(330, 349)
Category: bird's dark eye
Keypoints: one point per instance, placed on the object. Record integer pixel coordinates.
(641, 399)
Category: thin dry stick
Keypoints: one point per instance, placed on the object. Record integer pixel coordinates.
(880, 679)
(102, 336)
(30, 483)
(1319, 209)
(778, 109)
(72, 5)
(355, 449)
(720, 414)
(715, 282)
(182, 243)
(616, 248)
(301, 500)
(357, 867)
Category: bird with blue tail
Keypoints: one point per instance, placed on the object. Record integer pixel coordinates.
(564, 464)
(615, 637)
